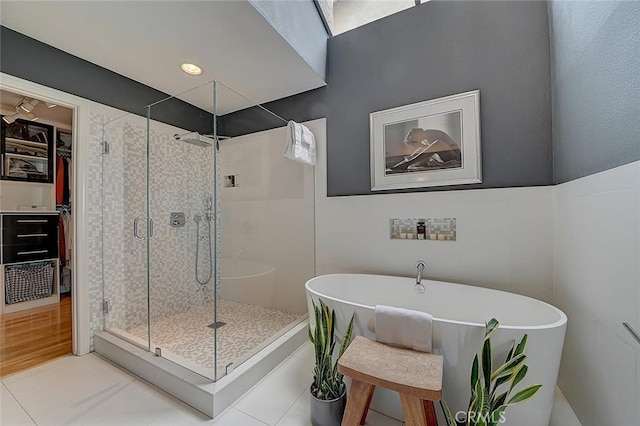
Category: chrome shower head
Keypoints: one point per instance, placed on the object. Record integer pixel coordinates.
(194, 138)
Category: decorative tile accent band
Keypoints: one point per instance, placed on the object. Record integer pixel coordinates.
(423, 229)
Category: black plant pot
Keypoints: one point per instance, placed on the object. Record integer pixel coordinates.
(327, 412)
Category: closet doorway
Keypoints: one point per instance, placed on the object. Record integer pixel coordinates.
(36, 224)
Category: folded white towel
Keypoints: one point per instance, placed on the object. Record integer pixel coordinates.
(403, 328)
(301, 144)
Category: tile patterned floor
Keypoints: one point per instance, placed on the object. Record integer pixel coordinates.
(247, 328)
(90, 391)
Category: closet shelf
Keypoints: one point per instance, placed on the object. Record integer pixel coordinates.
(29, 146)
(28, 143)
(26, 157)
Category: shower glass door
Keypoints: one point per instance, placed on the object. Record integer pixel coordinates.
(181, 206)
(124, 251)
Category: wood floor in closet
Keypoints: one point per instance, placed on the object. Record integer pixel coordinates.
(32, 337)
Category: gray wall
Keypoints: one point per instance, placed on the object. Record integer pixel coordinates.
(32, 60)
(436, 49)
(298, 22)
(596, 86)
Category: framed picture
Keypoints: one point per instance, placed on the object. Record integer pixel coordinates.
(430, 143)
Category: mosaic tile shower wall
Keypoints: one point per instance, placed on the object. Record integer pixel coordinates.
(181, 179)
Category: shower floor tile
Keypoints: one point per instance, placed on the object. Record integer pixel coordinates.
(189, 336)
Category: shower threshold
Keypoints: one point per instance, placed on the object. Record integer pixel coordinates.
(197, 390)
(164, 353)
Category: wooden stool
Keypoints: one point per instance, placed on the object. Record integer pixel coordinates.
(416, 376)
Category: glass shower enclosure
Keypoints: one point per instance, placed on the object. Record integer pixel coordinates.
(191, 224)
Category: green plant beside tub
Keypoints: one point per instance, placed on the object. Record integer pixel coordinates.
(328, 388)
(487, 406)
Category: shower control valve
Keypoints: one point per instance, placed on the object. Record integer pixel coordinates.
(177, 220)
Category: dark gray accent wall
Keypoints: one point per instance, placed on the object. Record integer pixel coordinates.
(596, 86)
(32, 60)
(436, 49)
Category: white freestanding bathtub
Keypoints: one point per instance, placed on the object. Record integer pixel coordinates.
(248, 282)
(459, 313)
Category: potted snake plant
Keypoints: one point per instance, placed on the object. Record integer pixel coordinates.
(491, 389)
(328, 390)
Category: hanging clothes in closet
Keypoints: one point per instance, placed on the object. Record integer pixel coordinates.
(67, 221)
(66, 190)
(65, 245)
(62, 240)
(64, 195)
(69, 184)
(63, 181)
(60, 182)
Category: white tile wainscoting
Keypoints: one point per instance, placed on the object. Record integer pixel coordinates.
(597, 284)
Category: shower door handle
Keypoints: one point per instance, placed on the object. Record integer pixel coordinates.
(150, 227)
(136, 228)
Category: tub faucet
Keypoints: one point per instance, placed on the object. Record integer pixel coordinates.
(419, 288)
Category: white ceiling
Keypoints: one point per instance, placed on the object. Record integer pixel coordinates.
(147, 41)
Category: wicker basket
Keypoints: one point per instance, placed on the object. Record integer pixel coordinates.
(29, 281)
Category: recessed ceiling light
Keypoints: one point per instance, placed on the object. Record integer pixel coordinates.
(191, 69)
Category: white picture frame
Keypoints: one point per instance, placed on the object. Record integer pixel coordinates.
(430, 143)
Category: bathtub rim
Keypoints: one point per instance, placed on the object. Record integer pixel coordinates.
(562, 322)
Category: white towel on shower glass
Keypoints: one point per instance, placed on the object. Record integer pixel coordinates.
(301, 144)
(403, 328)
